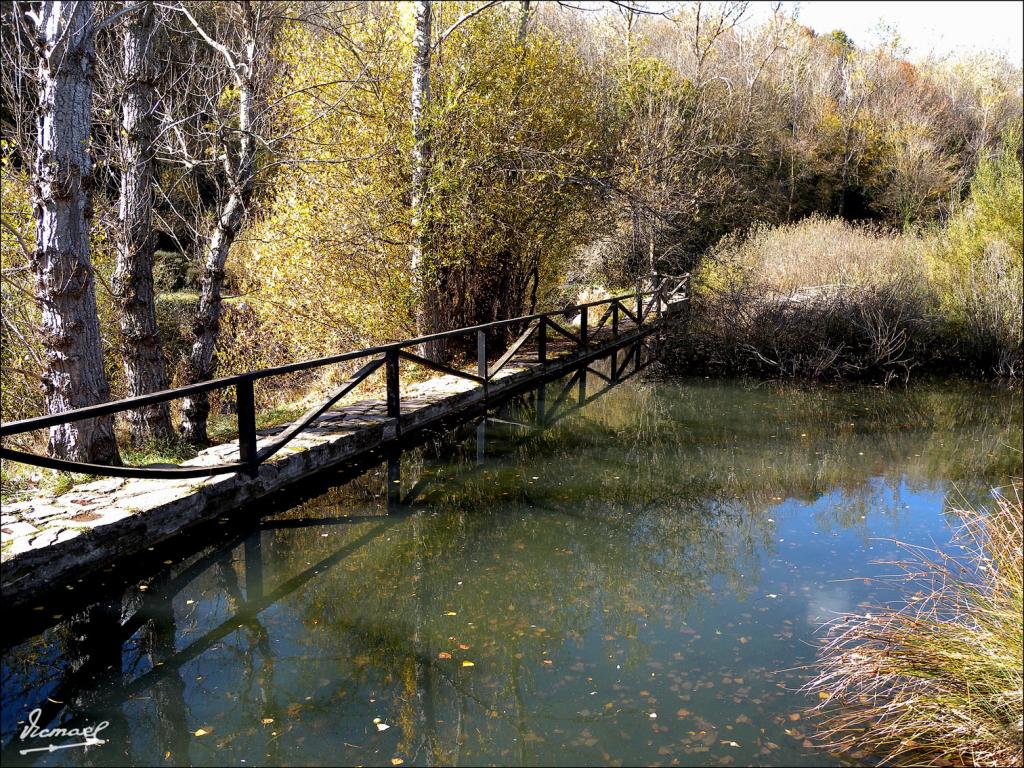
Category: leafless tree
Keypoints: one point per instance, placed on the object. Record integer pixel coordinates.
(200, 130)
(218, 127)
(427, 310)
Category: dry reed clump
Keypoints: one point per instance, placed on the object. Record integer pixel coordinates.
(937, 679)
(815, 252)
(819, 299)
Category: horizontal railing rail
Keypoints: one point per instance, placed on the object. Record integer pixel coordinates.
(636, 306)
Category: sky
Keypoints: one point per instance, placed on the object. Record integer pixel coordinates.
(940, 28)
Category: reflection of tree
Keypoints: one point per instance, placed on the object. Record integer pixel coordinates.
(652, 499)
(171, 727)
(539, 585)
(91, 657)
(626, 513)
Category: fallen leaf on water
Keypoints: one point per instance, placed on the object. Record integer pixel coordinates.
(203, 731)
(683, 712)
(731, 743)
(794, 716)
(822, 695)
(548, 661)
(397, 761)
(267, 720)
(464, 646)
(382, 726)
(450, 613)
(467, 664)
(444, 655)
(807, 744)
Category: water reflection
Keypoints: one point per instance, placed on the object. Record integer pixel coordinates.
(636, 580)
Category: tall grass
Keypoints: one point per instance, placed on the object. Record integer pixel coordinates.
(937, 679)
(819, 299)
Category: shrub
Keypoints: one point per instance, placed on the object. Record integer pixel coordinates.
(174, 271)
(977, 263)
(937, 679)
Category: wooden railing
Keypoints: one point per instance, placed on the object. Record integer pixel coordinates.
(640, 307)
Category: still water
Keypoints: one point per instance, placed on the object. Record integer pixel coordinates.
(640, 583)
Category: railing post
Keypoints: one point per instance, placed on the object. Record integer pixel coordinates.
(583, 326)
(615, 318)
(639, 301)
(394, 395)
(245, 401)
(481, 357)
(542, 341)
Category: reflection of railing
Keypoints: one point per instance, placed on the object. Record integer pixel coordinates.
(638, 307)
(535, 417)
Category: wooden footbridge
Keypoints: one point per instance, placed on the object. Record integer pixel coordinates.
(108, 618)
(51, 538)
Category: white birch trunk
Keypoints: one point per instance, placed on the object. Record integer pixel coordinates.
(63, 181)
(423, 278)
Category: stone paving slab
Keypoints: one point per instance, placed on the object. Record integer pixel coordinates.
(48, 539)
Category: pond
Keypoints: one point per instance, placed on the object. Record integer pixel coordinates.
(640, 582)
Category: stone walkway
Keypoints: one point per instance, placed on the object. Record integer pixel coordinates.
(46, 540)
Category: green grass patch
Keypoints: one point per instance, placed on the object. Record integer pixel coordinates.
(163, 452)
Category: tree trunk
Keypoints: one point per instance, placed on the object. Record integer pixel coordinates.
(133, 277)
(650, 246)
(524, 24)
(636, 243)
(206, 324)
(424, 277)
(63, 180)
